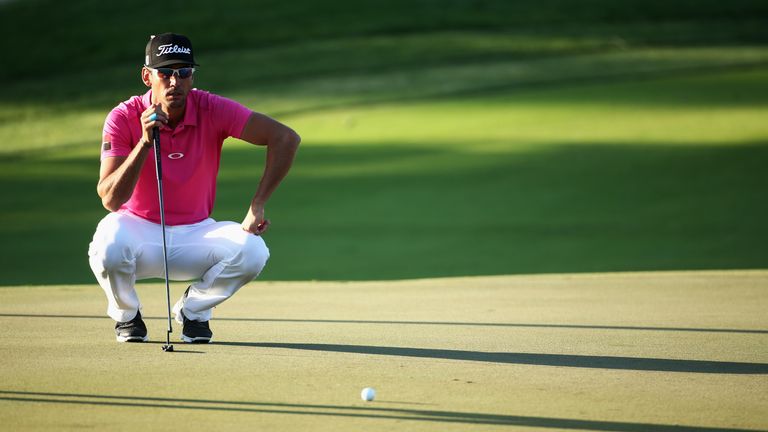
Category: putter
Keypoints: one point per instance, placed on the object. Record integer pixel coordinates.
(158, 169)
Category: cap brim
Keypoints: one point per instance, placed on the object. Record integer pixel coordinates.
(171, 62)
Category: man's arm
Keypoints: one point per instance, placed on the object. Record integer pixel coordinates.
(118, 175)
(282, 143)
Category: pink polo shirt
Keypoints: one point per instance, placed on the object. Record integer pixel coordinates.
(190, 155)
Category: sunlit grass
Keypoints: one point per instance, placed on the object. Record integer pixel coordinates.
(534, 100)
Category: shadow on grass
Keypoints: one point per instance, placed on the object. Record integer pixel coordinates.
(637, 22)
(430, 323)
(175, 347)
(558, 360)
(341, 411)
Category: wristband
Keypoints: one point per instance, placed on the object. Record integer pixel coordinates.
(146, 144)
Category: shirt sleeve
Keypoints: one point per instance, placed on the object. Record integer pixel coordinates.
(231, 116)
(116, 136)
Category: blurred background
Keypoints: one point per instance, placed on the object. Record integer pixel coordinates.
(440, 138)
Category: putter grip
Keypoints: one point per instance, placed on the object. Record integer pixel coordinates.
(156, 139)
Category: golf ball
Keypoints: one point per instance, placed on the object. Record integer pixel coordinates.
(368, 394)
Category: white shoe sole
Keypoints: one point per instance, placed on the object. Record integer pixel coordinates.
(195, 340)
(132, 338)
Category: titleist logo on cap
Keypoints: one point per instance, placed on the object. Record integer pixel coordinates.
(168, 49)
(172, 49)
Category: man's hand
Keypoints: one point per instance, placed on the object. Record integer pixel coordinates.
(151, 118)
(254, 221)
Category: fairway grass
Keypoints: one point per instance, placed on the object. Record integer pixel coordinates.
(663, 173)
(607, 352)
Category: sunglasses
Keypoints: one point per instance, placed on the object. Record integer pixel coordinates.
(167, 73)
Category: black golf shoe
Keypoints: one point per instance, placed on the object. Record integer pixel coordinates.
(195, 331)
(132, 331)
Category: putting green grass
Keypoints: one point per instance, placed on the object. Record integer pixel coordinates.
(670, 351)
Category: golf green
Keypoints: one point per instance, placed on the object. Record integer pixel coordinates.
(670, 351)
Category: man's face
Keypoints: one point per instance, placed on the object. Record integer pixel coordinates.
(168, 88)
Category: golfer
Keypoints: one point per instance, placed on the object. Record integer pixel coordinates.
(219, 257)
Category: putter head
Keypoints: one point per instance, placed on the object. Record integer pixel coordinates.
(168, 348)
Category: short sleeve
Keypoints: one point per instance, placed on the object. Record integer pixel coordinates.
(231, 116)
(116, 136)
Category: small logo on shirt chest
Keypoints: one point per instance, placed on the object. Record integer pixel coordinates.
(175, 155)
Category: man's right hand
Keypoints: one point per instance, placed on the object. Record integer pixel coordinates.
(148, 123)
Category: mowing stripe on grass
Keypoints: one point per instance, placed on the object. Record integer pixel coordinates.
(436, 323)
(343, 411)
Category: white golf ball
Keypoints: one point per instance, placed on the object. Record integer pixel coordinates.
(368, 394)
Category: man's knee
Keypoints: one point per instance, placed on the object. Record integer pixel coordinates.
(112, 256)
(254, 256)
(112, 245)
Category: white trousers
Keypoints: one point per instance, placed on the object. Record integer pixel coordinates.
(219, 256)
